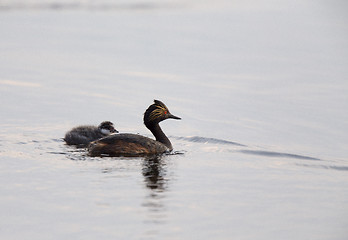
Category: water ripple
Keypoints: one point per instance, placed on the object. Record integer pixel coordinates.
(209, 140)
(75, 5)
(278, 154)
(333, 167)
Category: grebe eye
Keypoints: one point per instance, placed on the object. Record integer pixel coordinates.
(165, 112)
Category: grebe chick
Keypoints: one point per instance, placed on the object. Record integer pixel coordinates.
(128, 144)
(83, 135)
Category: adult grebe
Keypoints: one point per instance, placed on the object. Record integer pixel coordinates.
(127, 144)
(83, 135)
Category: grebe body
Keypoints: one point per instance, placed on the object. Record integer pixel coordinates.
(128, 144)
(83, 135)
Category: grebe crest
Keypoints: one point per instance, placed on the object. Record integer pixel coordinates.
(156, 113)
(136, 145)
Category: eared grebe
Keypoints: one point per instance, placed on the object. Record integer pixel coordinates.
(128, 144)
(83, 135)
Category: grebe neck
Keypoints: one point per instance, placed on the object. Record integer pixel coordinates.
(159, 135)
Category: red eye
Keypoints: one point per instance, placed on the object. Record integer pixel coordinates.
(165, 112)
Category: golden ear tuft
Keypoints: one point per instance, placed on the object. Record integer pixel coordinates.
(155, 114)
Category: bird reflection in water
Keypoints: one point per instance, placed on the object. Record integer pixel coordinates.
(154, 173)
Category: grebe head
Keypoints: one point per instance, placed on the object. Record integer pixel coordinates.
(156, 113)
(107, 128)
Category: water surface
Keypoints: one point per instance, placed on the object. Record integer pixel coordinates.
(260, 152)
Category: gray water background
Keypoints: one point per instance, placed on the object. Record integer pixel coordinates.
(261, 87)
